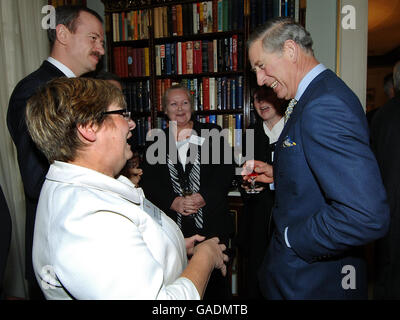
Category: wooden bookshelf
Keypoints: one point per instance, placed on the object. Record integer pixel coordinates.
(163, 27)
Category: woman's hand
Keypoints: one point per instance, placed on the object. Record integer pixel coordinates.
(191, 242)
(189, 204)
(214, 251)
(178, 205)
(193, 203)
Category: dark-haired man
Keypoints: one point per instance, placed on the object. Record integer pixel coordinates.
(76, 48)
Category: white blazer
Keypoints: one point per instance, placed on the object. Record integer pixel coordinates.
(93, 240)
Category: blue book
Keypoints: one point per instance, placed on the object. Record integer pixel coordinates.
(212, 118)
(239, 89)
(168, 58)
(238, 129)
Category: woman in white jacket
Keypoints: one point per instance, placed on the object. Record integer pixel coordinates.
(96, 236)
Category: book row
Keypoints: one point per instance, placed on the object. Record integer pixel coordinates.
(199, 56)
(137, 96)
(132, 25)
(208, 93)
(131, 62)
(201, 17)
(262, 10)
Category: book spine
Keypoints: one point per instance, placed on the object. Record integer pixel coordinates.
(234, 52)
(179, 21)
(174, 25)
(204, 55)
(184, 58)
(215, 55)
(197, 56)
(212, 95)
(168, 69)
(206, 93)
(189, 56)
(210, 48)
(220, 15)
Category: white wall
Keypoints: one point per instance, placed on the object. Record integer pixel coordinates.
(354, 50)
(351, 63)
(321, 23)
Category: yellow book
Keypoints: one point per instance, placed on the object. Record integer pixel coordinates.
(201, 17)
(147, 61)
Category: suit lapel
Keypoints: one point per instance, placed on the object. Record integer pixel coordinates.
(299, 108)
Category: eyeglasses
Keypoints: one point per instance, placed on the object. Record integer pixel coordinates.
(123, 112)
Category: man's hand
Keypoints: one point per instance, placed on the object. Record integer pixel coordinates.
(264, 170)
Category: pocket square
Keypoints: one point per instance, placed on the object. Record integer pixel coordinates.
(288, 142)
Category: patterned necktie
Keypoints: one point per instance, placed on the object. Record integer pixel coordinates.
(289, 109)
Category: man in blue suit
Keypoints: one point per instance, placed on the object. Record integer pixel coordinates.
(330, 200)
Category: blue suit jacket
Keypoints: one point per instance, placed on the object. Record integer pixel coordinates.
(329, 193)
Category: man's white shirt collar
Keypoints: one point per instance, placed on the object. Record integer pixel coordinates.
(62, 67)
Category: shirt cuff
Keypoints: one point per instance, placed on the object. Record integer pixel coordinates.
(286, 239)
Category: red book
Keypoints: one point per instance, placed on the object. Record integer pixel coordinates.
(215, 15)
(158, 94)
(206, 93)
(124, 62)
(130, 62)
(184, 63)
(139, 62)
(197, 57)
(115, 60)
(234, 52)
(134, 64)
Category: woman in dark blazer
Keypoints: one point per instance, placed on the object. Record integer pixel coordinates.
(255, 234)
(184, 182)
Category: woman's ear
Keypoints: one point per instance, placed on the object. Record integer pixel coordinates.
(88, 132)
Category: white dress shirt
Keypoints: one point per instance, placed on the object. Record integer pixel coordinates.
(93, 240)
(62, 67)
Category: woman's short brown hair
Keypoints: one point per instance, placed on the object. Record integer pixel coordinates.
(53, 113)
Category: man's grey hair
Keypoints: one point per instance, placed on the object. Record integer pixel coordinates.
(396, 77)
(276, 31)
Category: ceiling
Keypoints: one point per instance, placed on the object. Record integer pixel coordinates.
(383, 26)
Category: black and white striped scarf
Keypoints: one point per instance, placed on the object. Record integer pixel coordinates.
(194, 183)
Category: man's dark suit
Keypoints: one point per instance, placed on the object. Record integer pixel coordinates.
(385, 142)
(329, 194)
(32, 163)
